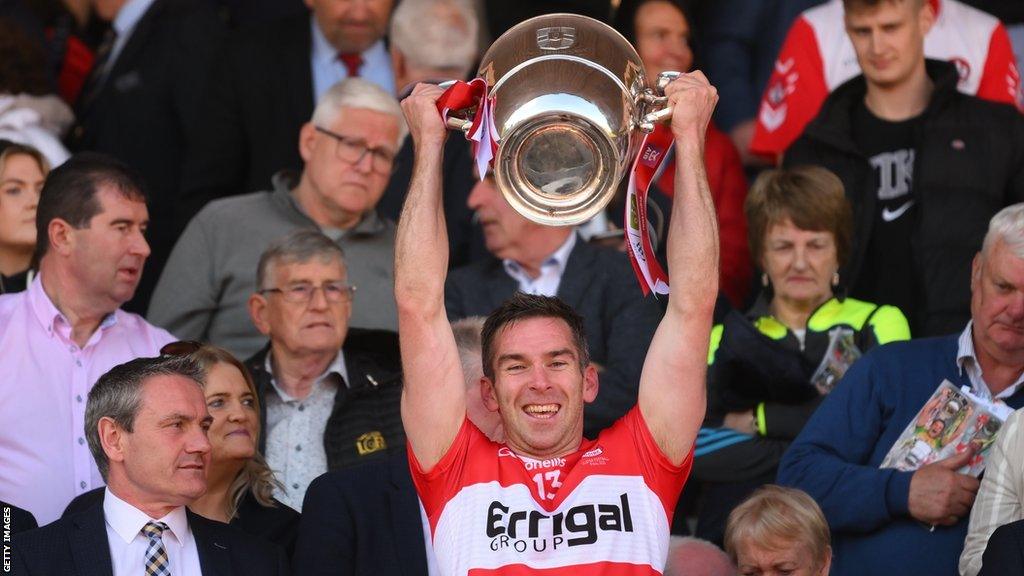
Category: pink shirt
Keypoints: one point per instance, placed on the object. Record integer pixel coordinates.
(45, 380)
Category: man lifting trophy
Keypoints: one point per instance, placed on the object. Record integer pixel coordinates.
(561, 105)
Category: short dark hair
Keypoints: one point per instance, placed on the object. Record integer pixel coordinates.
(70, 192)
(525, 306)
(118, 395)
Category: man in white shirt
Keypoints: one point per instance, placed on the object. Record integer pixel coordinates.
(146, 425)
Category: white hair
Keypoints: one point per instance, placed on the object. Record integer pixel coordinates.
(438, 34)
(1008, 226)
(358, 93)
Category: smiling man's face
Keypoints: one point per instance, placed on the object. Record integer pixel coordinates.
(539, 387)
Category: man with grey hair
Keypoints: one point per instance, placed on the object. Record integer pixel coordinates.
(1001, 495)
(146, 424)
(348, 146)
(268, 79)
(433, 41)
(330, 393)
(876, 514)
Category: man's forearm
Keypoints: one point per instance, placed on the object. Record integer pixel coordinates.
(693, 251)
(421, 242)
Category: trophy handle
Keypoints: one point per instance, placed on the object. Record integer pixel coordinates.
(453, 122)
(657, 97)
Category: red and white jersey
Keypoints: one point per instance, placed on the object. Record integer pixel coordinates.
(605, 509)
(817, 56)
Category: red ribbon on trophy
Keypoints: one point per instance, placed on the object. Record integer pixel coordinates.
(655, 151)
(482, 133)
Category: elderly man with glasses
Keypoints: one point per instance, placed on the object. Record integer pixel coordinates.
(348, 147)
(331, 394)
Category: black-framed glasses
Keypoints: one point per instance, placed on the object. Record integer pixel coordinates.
(181, 348)
(302, 292)
(352, 150)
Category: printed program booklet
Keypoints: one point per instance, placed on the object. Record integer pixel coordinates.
(841, 354)
(952, 421)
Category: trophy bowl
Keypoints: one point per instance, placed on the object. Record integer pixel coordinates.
(570, 100)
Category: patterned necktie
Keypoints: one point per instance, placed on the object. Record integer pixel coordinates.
(98, 73)
(157, 563)
(352, 62)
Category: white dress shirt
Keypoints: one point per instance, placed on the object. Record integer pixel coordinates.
(967, 361)
(128, 544)
(328, 70)
(546, 283)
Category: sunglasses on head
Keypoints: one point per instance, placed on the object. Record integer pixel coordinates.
(181, 348)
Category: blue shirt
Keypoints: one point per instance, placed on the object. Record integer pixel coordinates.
(124, 24)
(328, 70)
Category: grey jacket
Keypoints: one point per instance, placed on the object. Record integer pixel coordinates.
(204, 290)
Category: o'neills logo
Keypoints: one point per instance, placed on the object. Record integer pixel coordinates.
(531, 464)
(521, 530)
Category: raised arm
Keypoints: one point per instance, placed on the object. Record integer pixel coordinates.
(672, 387)
(434, 396)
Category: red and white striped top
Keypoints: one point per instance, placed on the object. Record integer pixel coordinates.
(605, 509)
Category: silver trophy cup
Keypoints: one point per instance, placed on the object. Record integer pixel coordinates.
(571, 101)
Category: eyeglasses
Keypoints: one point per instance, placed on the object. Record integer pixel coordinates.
(352, 150)
(181, 348)
(303, 292)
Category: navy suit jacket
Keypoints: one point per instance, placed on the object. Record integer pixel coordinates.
(17, 520)
(599, 284)
(77, 544)
(362, 520)
(249, 126)
(1005, 551)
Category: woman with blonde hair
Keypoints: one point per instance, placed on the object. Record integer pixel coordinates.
(779, 531)
(240, 485)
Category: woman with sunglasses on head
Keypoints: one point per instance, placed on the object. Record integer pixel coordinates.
(239, 482)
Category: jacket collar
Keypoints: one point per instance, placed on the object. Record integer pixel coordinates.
(90, 549)
(285, 181)
(834, 122)
(214, 549)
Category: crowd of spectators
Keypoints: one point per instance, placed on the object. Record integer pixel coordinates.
(208, 192)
